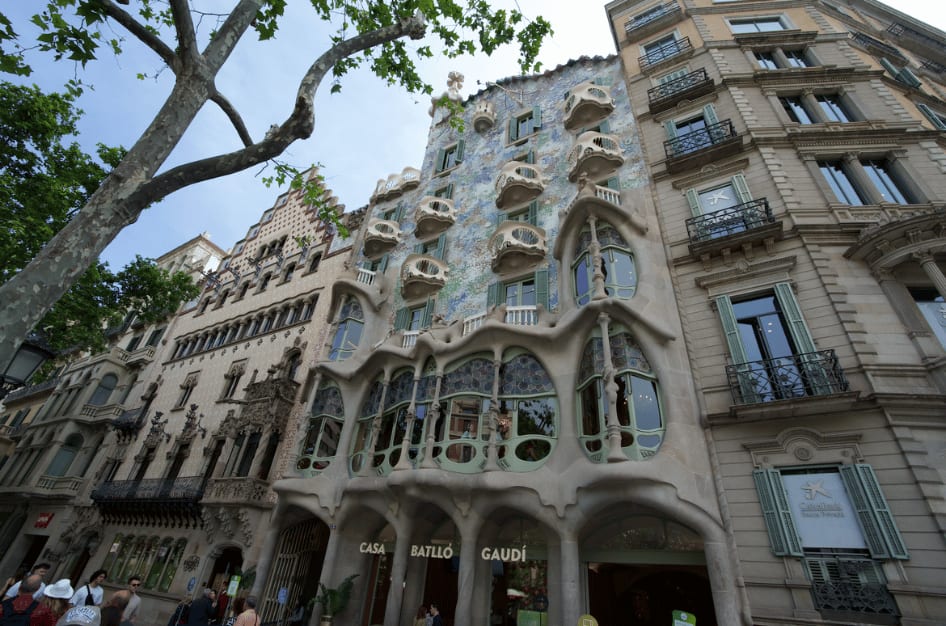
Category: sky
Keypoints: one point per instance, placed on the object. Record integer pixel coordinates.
(364, 133)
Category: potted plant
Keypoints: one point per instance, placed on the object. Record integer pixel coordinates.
(333, 601)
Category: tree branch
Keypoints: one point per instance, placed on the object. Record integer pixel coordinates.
(298, 125)
(227, 37)
(144, 35)
(184, 26)
(234, 115)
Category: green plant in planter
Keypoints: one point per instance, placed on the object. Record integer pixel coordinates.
(334, 601)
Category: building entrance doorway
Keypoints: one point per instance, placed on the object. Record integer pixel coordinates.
(440, 586)
(228, 563)
(646, 595)
(297, 567)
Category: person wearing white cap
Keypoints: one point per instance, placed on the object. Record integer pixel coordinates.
(54, 603)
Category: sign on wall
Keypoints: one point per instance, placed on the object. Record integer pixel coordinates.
(822, 511)
(43, 520)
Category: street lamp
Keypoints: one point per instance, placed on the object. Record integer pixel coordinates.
(30, 356)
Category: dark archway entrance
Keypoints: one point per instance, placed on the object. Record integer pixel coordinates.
(227, 564)
(646, 595)
(297, 566)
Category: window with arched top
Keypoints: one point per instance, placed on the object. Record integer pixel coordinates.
(617, 264)
(394, 422)
(348, 334)
(325, 428)
(637, 411)
(104, 390)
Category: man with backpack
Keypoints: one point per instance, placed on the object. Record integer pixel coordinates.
(91, 593)
(17, 611)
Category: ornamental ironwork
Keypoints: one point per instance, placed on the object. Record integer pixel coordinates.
(782, 378)
(665, 51)
(677, 87)
(730, 221)
(696, 140)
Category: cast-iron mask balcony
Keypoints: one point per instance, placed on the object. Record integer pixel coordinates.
(702, 146)
(586, 104)
(782, 378)
(849, 598)
(666, 96)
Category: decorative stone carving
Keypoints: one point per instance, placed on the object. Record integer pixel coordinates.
(191, 563)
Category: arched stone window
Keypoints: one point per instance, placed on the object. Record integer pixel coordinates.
(104, 390)
(348, 334)
(637, 412)
(617, 264)
(325, 428)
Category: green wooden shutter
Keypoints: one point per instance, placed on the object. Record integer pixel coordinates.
(892, 69)
(441, 242)
(932, 116)
(777, 514)
(737, 351)
(604, 128)
(428, 314)
(671, 128)
(532, 214)
(418, 248)
(796, 323)
(907, 77)
(399, 212)
(383, 264)
(742, 188)
(494, 294)
(401, 316)
(542, 288)
(530, 157)
(438, 164)
(693, 199)
(536, 118)
(709, 114)
(513, 128)
(613, 183)
(460, 145)
(880, 530)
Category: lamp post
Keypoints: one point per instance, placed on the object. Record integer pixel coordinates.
(30, 356)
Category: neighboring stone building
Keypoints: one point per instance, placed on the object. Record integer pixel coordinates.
(797, 158)
(59, 427)
(158, 454)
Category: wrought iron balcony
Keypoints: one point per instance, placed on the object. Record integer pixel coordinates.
(783, 378)
(841, 592)
(239, 490)
(652, 20)
(586, 104)
(734, 220)
(876, 45)
(188, 488)
(702, 146)
(595, 154)
(666, 96)
(665, 53)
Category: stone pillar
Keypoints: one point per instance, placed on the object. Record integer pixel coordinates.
(570, 592)
(931, 269)
(266, 554)
(394, 607)
(463, 615)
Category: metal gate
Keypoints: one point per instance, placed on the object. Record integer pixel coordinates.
(297, 563)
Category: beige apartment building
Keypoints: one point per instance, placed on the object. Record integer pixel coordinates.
(797, 165)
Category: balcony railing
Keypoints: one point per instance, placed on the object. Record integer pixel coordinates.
(700, 139)
(733, 220)
(841, 591)
(876, 44)
(782, 378)
(634, 26)
(409, 338)
(365, 277)
(934, 67)
(664, 52)
(188, 488)
(525, 315)
(664, 96)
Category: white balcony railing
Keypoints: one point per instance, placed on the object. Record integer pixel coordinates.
(365, 277)
(409, 339)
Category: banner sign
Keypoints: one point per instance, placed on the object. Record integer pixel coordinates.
(822, 511)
